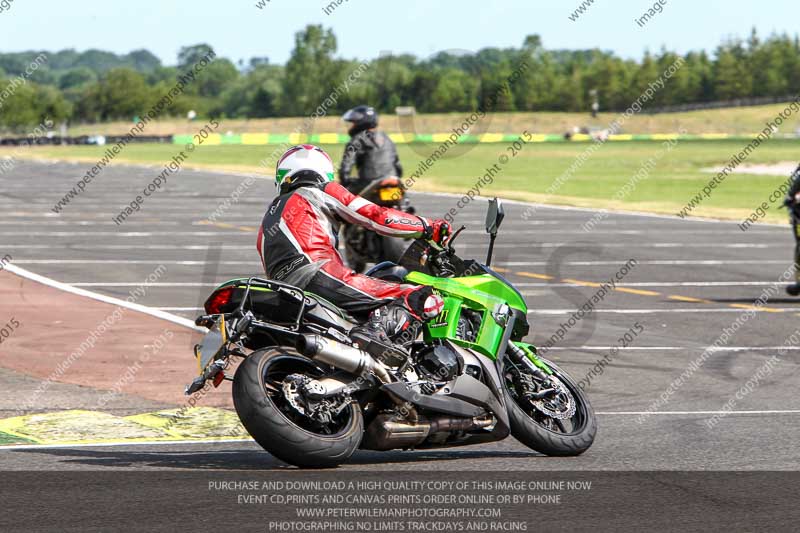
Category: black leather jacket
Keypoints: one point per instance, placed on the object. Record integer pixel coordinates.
(795, 188)
(375, 155)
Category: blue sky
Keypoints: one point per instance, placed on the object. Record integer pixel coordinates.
(237, 29)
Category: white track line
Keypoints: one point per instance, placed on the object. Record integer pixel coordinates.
(551, 207)
(256, 222)
(673, 218)
(130, 262)
(626, 213)
(101, 297)
(677, 348)
(109, 216)
(543, 284)
(482, 245)
(684, 413)
(554, 312)
(570, 311)
(520, 263)
(88, 247)
(627, 223)
(629, 245)
(665, 262)
(121, 233)
(660, 284)
(50, 223)
(589, 235)
(134, 284)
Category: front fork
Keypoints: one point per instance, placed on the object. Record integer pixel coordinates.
(525, 354)
(543, 388)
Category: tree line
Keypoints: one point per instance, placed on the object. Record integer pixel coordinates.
(97, 86)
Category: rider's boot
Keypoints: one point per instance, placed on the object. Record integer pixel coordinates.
(391, 326)
(385, 325)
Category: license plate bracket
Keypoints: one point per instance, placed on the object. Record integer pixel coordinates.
(212, 345)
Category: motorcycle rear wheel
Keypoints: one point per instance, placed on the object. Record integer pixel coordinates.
(547, 435)
(286, 434)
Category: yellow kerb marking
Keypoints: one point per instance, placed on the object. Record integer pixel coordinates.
(532, 275)
(638, 291)
(255, 138)
(401, 138)
(584, 283)
(491, 138)
(756, 308)
(328, 138)
(214, 138)
(298, 138)
(689, 299)
(91, 427)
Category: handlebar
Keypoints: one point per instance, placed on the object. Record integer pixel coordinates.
(455, 236)
(432, 258)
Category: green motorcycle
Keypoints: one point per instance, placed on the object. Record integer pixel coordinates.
(309, 396)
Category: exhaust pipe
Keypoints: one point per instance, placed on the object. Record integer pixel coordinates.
(389, 433)
(341, 356)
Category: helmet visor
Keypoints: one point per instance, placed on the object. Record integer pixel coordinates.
(353, 116)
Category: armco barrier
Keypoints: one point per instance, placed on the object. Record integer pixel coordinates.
(84, 140)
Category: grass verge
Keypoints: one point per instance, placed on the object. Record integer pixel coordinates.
(740, 120)
(676, 177)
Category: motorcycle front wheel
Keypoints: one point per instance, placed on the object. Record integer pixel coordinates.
(560, 424)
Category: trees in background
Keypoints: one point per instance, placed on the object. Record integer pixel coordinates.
(95, 85)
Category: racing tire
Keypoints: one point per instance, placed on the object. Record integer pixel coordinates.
(543, 440)
(276, 432)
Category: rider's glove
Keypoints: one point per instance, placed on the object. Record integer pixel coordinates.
(788, 201)
(437, 230)
(440, 231)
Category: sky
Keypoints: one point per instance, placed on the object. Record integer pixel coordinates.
(237, 29)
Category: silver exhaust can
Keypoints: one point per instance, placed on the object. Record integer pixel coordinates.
(340, 355)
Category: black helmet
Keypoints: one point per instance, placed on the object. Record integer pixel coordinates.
(362, 117)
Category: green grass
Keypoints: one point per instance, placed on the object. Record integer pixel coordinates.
(6, 439)
(741, 120)
(675, 179)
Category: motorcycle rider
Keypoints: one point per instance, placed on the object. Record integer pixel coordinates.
(369, 149)
(298, 242)
(791, 202)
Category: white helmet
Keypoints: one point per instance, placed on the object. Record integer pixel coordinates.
(306, 159)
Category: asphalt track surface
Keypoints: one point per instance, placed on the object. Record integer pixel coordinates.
(692, 279)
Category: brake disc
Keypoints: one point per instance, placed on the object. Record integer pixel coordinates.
(291, 391)
(560, 405)
(295, 387)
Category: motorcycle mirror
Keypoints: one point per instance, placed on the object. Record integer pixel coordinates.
(494, 216)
